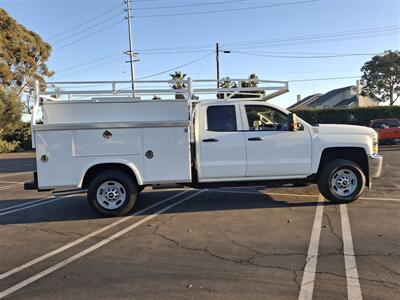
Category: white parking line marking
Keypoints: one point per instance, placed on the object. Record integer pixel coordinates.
(14, 174)
(34, 205)
(296, 195)
(11, 186)
(26, 203)
(380, 199)
(84, 238)
(96, 246)
(353, 283)
(307, 284)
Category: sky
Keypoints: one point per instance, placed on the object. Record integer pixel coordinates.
(300, 41)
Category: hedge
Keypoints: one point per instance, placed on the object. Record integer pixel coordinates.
(18, 139)
(355, 116)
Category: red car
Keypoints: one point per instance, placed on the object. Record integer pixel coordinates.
(388, 129)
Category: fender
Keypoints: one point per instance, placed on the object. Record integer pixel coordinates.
(337, 140)
(80, 174)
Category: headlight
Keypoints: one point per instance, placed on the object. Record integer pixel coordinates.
(375, 144)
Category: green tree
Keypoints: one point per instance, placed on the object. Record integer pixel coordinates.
(23, 56)
(10, 111)
(381, 77)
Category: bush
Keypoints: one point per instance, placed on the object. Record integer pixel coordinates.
(10, 111)
(355, 116)
(8, 146)
(21, 134)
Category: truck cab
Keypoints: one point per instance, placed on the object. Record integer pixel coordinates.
(245, 140)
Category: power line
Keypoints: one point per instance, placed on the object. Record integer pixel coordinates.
(224, 10)
(327, 78)
(88, 35)
(319, 35)
(177, 67)
(253, 44)
(86, 29)
(86, 22)
(90, 62)
(190, 5)
(337, 36)
(90, 68)
(304, 57)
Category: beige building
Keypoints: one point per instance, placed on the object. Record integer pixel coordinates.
(342, 98)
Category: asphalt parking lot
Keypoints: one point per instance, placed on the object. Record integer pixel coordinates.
(247, 243)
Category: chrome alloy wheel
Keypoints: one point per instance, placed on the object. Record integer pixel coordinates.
(111, 195)
(344, 182)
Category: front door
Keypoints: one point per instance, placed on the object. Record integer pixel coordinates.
(222, 148)
(272, 150)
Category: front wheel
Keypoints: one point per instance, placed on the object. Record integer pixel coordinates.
(112, 193)
(341, 181)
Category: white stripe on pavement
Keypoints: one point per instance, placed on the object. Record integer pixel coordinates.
(84, 238)
(14, 174)
(307, 284)
(296, 195)
(11, 186)
(96, 246)
(353, 283)
(33, 205)
(25, 203)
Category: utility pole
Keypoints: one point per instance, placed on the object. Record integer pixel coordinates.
(217, 51)
(130, 53)
(217, 59)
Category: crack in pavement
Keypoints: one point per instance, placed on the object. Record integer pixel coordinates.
(391, 285)
(46, 230)
(383, 266)
(334, 233)
(243, 262)
(259, 254)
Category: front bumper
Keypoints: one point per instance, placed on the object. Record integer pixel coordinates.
(375, 165)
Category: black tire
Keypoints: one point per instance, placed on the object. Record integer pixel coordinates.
(123, 186)
(331, 188)
(140, 188)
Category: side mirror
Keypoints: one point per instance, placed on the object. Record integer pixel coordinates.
(293, 124)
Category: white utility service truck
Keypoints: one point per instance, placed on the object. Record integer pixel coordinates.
(111, 142)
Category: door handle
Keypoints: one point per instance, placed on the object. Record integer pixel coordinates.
(210, 140)
(255, 139)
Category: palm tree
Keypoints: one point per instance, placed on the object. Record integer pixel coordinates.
(177, 84)
(252, 82)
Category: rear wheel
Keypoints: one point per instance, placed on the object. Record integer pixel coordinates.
(112, 193)
(341, 181)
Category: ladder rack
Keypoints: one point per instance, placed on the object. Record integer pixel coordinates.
(205, 89)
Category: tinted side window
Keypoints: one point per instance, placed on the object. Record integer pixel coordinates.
(221, 118)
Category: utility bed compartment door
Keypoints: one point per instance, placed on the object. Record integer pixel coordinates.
(167, 155)
(55, 169)
(112, 141)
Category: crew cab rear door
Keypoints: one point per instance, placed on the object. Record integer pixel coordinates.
(221, 148)
(271, 149)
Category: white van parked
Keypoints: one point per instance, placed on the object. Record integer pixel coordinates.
(112, 143)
